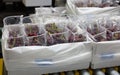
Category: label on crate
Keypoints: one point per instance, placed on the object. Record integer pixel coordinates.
(44, 62)
(107, 56)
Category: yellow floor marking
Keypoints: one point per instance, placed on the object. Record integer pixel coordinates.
(77, 73)
(1, 66)
(62, 73)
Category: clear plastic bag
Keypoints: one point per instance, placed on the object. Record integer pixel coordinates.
(32, 19)
(12, 20)
(77, 37)
(59, 38)
(50, 11)
(27, 20)
(46, 13)
(53, 28)
(15, 42)
(44, 10)
(49, 19)
(100, 37)
(60, 10)
(57, 32)
(33, 30)
(72, 27)
(39, 40)
(113, 28)
(15, 31)
(76, 34)
(94, 29)
(49, 39)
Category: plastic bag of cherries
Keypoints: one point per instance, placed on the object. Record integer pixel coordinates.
(35, 35)
(15, 36)
(76, 34)
(56, 33)
(94, 29)
(15, 42)
(96, 32)
(33, 30)
(15, 31)
(113, 28)
(100, 37)
(12, 20)
(36, 40)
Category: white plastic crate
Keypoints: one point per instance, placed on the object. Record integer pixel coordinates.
(46, 59)
(73, 9)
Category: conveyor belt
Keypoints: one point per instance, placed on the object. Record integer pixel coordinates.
(107, 71)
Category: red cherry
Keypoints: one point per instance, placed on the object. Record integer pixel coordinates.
(30, 34)
(34, 34)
